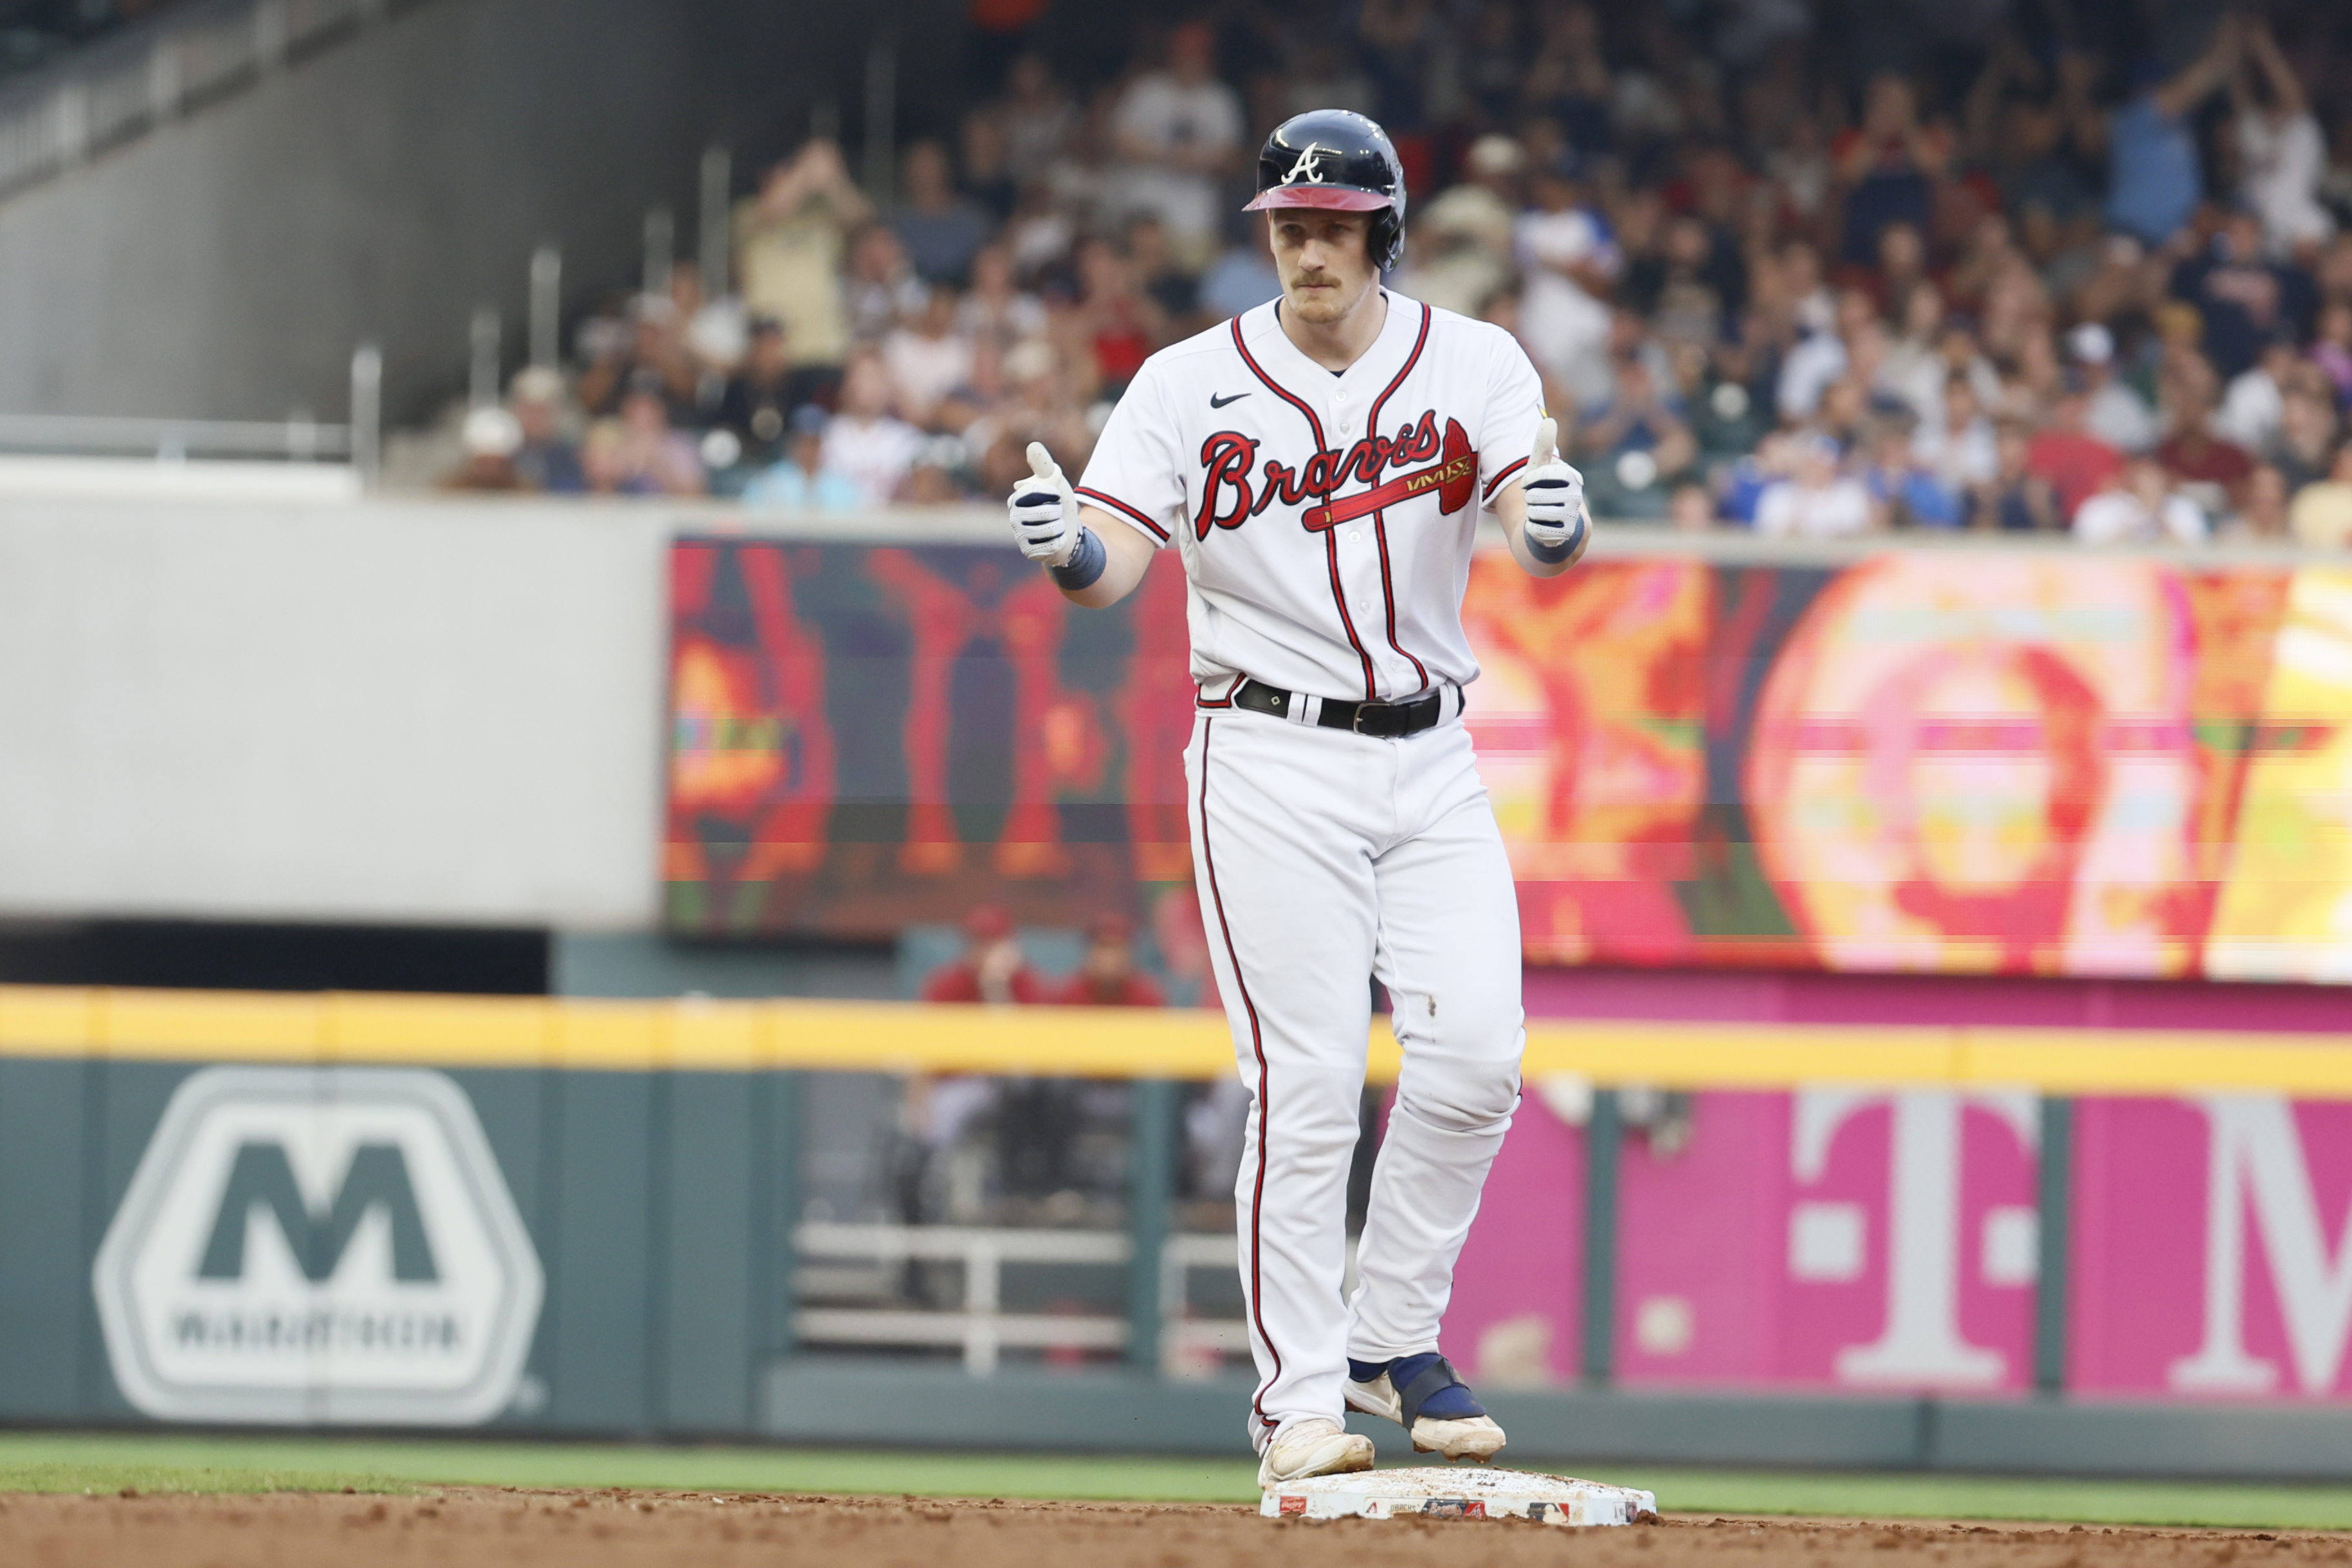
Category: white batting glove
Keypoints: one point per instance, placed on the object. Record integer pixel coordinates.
(1555, 496)
(1043, 511)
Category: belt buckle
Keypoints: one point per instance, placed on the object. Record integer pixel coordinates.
(1356, 723)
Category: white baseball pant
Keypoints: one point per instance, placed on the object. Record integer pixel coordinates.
(1323, 858)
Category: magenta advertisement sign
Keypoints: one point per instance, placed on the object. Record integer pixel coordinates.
(1881, 1242)
(2212, 1249)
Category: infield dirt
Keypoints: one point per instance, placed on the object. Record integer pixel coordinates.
(460, 1528)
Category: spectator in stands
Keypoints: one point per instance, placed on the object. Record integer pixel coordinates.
(766, 389)
(991, 967)
(1726, 416)
(2139, 506)
(2154, 173)
(1906, 491)
(714, 333)
(798, 481)
(638, 453)
(1634, 448)
(2253, 405)
(489, 437)
(2282, 156)
(865, 444)
(2320, 516)
(1106, 975)
(2244, 299)
(1823, 358)
(2066, 457)
(654, 355)
(1173, 291)
(1816, 500)
(928, 358)
(1889, 167)
(987, 177)
(1241, 278)
(1691, 508)
(544, 459)
(789, 244)
(1461, 249)
(995, 310)
(2114, 412)
(881, 289)
(2304, 447)
(2262, 512)
(1640, 189)
(940, 230)
(1570, 262)
(1114, 323)
(2194, 455)
(1912, 367)
(2331, 351)
(1037, 118)
(2019, 500)
(1179, 130)
(1961, 450)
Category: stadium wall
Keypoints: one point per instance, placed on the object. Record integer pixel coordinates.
(400, 714)
(570, 1217)
(224, 265)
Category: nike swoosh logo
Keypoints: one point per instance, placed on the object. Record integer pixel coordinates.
(1216, 401)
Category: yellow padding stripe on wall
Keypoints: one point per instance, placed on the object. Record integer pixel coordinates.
(710, 1035)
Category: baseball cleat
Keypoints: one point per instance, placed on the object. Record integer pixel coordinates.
(1315, 1447)
(1421, 1394)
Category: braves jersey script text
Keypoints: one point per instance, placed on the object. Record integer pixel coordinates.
(1325, 520)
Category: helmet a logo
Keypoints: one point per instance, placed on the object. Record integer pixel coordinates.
(1304, 168)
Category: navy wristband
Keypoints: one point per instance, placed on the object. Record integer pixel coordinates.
(1550, 554)
(1086, 563)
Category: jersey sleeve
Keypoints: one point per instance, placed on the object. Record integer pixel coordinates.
(1507, 432)
(1134, 474)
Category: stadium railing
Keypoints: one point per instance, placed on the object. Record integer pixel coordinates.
(122, 87)
(980, 1327)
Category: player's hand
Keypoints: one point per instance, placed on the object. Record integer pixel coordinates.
(1555, 495)
(1045, 512)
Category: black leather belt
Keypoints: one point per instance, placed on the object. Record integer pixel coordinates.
(1388, 720)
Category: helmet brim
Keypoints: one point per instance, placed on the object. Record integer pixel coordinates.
(1330, 198)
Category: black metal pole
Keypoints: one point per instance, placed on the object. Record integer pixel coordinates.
(2054, 1201)
(1603, 1139)
(1150, 1197)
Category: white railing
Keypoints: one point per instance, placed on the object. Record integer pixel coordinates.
(168, 440)
(979, 1326)
(354, 444)
(117, 88)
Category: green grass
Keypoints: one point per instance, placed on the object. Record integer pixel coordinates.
(108, 1463)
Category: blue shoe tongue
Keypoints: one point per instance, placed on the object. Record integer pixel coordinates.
(1452, 1402)
(1455, 1404)
(1365, 1370)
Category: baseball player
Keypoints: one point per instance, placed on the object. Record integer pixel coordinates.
(1319, 463)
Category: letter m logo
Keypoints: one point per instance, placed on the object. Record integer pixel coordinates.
(2258, 1167)
(262, 1177)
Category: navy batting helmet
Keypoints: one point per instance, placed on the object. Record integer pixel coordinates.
(1338, 161)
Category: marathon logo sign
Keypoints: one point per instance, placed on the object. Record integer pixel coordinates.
(319, 1244)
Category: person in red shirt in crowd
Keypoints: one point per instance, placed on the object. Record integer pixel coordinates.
(2066, 457)
(1108, 977)
(2213, 469)
(993, 967)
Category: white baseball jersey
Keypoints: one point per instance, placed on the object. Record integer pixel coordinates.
(1327, 520)
(1327, 523)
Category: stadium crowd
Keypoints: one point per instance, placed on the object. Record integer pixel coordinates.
(1990, 266)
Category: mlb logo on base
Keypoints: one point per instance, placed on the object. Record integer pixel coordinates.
(319, 1244)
